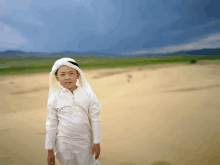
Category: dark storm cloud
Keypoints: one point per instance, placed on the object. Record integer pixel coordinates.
(111, 26)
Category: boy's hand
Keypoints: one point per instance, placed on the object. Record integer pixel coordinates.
(96, 150)
(51, 158)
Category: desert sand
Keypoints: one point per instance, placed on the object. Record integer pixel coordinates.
(166, 114)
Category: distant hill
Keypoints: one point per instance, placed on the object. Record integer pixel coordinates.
(215, 51)
(12, 52)
(16, 53)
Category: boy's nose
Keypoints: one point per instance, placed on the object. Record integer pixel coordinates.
(67, 76)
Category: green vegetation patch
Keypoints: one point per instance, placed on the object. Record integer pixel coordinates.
(24, 65)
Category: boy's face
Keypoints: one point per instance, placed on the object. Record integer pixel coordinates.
(67, 76)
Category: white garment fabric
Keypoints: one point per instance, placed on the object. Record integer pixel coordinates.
(73, 122)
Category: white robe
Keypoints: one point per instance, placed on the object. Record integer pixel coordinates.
(73, 124)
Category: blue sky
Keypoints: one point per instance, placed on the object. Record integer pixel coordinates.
(111, 26)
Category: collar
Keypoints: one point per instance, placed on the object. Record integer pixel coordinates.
(67, 90)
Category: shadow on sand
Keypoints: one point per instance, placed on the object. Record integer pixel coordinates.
(194, 89)
(6, 161)
(161, 163)
(126, 163)
(155, 163)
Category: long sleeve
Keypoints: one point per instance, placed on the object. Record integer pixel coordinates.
(51, 125)
(94, 116)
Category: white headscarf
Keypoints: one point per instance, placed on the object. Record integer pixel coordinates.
(55, 85)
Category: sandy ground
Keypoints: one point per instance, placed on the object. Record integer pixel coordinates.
(151, 115)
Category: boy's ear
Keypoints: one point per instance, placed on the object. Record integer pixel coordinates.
(78, 74)
(57, 78)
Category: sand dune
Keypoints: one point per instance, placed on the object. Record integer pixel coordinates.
(151, 115)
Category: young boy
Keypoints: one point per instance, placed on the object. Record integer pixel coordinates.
(73, 117)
